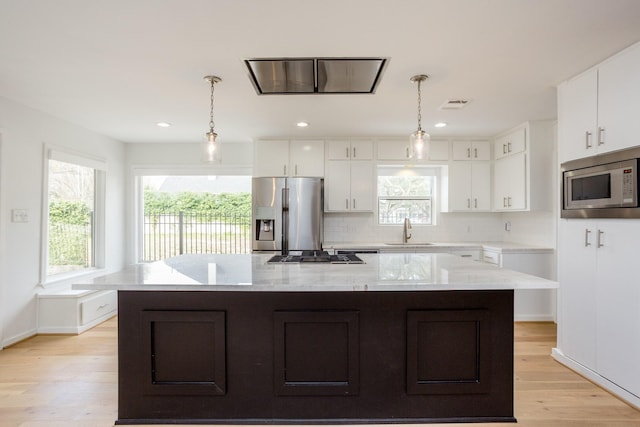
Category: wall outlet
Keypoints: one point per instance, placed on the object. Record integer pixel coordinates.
(19, 215)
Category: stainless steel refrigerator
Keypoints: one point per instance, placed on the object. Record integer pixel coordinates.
(287, 214)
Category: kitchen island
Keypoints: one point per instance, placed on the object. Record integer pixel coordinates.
(402, 338)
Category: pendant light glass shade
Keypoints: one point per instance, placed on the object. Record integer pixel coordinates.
(419, 144)
(210, 146)
(419, 140)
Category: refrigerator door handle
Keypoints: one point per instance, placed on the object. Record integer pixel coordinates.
(285, 221)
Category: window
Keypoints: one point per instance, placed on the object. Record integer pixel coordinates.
(406, 193)
(195, 214)
(75, 197)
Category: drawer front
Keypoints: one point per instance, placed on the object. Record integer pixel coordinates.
(491, 257)
(97, 306)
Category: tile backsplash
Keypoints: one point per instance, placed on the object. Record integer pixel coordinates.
(451, 227)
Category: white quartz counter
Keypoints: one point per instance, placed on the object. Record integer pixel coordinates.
(502, 247)
(381, 272)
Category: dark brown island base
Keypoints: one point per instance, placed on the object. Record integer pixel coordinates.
(261, 353)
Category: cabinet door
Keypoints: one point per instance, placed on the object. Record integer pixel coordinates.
(512, 143)
(618, 302)
(362, 186)
(338, 150)
(481, 186)
(461, 150)
(271, 158)
(306, 158)
(361, 150)
(510, 183)
(577, 292)
(460, 186)
(578, 117)
(337, 186)
(619, 101)
(480, 150)
(393, 150)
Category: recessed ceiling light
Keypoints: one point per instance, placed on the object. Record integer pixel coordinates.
(440, 124)
(163, 124)
(302, 124)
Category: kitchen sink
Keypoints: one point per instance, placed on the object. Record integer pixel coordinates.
(407, 244)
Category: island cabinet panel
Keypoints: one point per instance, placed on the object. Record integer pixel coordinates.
(229, 357)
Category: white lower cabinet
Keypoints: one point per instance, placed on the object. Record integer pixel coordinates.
(529, 304)
(348, 186)
(67, 311)
(599, 301)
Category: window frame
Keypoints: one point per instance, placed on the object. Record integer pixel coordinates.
(99, 166)
(426, 170)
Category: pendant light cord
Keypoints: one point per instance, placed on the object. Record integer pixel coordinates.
(211, 122)
(419, 106)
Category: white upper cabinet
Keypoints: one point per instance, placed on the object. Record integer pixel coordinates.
(469, 186)
(288, 158)
(350, 150)
(523, 174)
(597, 111)
(511, 143)
(393, 149)
(349, 186)
(399, 150)
(471, 150)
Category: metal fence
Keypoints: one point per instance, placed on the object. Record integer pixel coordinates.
(171, 234)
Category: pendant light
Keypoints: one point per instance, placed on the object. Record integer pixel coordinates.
(210, 147)
(419, 140)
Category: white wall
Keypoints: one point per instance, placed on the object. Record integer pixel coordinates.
(24, 132)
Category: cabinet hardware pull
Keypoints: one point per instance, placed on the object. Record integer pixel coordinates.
(600, 135)
(346, 203)
(468, 153)
(475, 203)
(586, 237)
(509, 201)
(599, 243)
(347, 156)
(587, 139)
(407, 154)
(468, 203)
(285, 170)
(354, 203)
(508, 147)
(296, 174)
(354, 152)
(504, 202)
(504, 148)
(475, 153)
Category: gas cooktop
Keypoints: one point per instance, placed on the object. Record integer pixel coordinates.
(316, 257)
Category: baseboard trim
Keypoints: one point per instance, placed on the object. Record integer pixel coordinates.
(629, 398)
(17, 338)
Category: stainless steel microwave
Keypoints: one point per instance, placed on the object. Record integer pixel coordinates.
(603, 186)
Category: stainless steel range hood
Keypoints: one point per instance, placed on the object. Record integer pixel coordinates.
(285, 76)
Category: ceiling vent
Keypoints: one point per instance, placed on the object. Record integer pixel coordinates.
(287, 76)
(453, 104)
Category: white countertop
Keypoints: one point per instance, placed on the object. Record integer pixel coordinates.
(251, 273)
(503, 247)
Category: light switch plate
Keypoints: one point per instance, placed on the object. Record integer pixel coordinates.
(19, 215)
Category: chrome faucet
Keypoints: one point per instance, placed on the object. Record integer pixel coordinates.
(405, 230)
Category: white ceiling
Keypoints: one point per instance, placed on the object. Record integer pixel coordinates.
(119, 66)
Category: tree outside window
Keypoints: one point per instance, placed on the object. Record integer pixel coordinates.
(404, 193)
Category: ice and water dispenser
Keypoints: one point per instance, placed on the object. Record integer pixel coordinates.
(265, 223)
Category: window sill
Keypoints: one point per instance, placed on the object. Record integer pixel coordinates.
(65, 279)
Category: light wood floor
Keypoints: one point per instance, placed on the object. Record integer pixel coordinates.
(71, 381)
